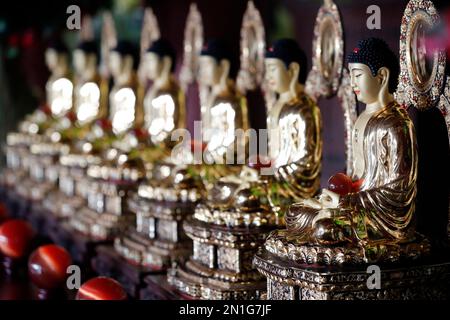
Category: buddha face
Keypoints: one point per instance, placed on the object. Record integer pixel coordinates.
(277, 75)
(209, 71)
(364, 84)
(79, 61)
(51, 58)
(152, 65)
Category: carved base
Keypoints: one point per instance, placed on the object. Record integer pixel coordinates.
(156, 287)
(108, 262)
(287, 280)
(99, 226)
(80, 247)
(156, 254)
(60, 205)
(221, 264)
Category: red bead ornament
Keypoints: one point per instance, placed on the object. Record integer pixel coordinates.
(340, 183)
(101, 288)
(47, 266)
(15, 238)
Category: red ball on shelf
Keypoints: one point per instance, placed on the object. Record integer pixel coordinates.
(15, 238)
(101, 288)
(47, 266)
(340, 183)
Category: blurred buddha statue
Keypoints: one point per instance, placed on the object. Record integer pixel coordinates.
(164, 105)
(226, 111)
(177, 181)
(369, 216)
(109, 143)
(59, 91)
(295, 150)
(88, 102)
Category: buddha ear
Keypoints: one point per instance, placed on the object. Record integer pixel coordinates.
(383, 95)
(167, 64)
(128, 62)
(293, 70)
(92, 59)
(225, 70)
(383, 74)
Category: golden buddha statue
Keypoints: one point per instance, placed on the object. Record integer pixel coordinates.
(175, 185)
(59, 91)
(89, 105)
(164, 105)
(35, 131)
(240, 209)
(368, 217)
(111, 140)
(295, 149)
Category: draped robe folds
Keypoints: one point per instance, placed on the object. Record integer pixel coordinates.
(383, 208)
(298, 160)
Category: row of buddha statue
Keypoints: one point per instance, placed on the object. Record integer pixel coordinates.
(102, 156)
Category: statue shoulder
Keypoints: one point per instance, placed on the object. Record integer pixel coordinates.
(304, 106)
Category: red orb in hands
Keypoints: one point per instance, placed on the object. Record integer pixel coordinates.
(140, 133)
(259, 161)
(3, 212)
(340, 183)
(197, 145)
(48, 265)
(105, 124)
(45, 108)
(15, 238)
(101, 288)
(72, 116)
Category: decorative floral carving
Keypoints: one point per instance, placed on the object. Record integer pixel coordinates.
(253, 45)
(413, 89)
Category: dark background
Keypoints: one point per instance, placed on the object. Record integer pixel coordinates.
(26, 27)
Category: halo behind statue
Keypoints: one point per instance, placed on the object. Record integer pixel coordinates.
(192, 46)
(421, 78)
(253, 45)
(107, 42)
(328, 76)
(149, 33)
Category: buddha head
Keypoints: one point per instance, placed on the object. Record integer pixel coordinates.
(285, 65)
(159, 60)
(56, 56)
(85, 57)
(123, 59)
(374, 71)
(214, 63)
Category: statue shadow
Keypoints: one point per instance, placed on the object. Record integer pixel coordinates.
(433, 187)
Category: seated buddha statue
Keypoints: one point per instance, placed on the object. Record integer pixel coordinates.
(224, 112)
(88, 103)
(59, 92)
(35, 131)
(88, 106)
(164, 105)
(369, 216)
(114, 138)
(294, 155)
